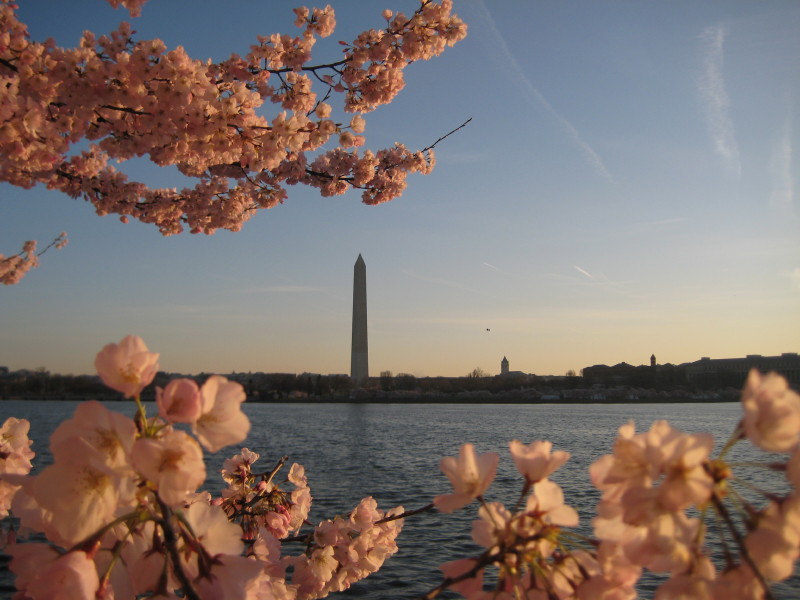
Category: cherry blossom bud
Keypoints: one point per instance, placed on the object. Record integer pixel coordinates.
(179, 401)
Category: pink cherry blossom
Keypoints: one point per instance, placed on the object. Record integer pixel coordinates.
(774, 543)
(237, 469)
(456, 568)
(271, 587)
(696, 584)
(547, 503)
(105, 437)
(15, 458)
(79, 496)
(173, 463)
(179, 401)
(313, 574)
(301, 506)
(213, 529)
(91, 477)
(615, 579)
(28, 561)
(493, 526)
(670, 542)
(134, 6)
(221, 420)
(683, 458)
(771, 412)
(470, 475)
(628, 467)
(365, 514)
(534, 461)
(230, 578)
(71, 576)
(127, 367)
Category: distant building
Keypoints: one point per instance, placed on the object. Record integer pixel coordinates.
(619, 374)
(706, 372)
(733, 371)
(504, 366)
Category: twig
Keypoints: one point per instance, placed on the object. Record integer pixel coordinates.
(446, 135)
(281, 461)
(408, 513)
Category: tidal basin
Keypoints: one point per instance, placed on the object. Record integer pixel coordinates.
(392, 452)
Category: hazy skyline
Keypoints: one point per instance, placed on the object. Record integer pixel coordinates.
(628, 186)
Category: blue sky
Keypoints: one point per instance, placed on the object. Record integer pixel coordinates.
(628, 186)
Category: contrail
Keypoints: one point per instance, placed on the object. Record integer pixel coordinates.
(781, 167)
(519, 75)
(579, 270)
(715, 98)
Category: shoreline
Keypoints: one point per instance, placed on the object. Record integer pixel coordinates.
(433, 399)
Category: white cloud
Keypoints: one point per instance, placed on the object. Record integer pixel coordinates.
(715, 98)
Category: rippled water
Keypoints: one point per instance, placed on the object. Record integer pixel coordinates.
(392, 452)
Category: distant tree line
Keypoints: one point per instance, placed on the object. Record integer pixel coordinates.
(40, 383)
(270, 387)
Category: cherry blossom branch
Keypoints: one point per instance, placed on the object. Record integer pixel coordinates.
(133, 98)
(267, 478)
(481, 562)
(719, 505)
(171, 542)
(14, 268)
(408, 513)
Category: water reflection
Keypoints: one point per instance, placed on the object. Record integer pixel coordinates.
(392, 453)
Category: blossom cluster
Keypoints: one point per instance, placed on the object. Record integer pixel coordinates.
(662, 496)
(15, 457)
(13, 268)
(133, 98)
(122, 513)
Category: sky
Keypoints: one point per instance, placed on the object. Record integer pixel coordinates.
(628, 186)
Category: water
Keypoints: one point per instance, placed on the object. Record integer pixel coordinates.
(392, 452)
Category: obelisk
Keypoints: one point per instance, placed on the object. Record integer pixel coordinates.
(359, 356)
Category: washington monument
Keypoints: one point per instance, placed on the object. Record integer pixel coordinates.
(359, 356)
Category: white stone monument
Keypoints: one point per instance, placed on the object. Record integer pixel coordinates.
(359, 355)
